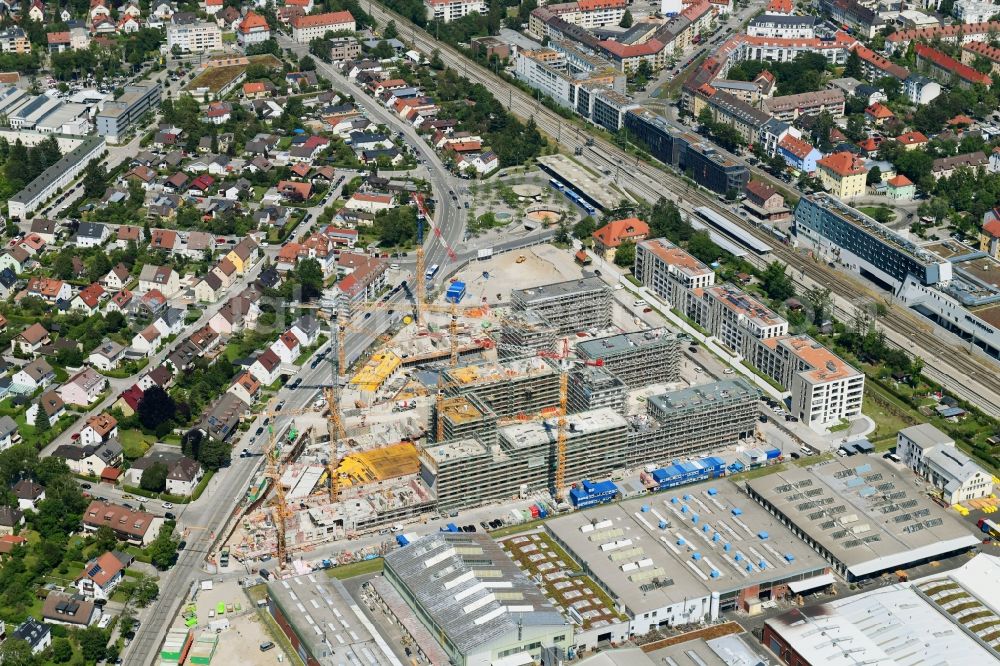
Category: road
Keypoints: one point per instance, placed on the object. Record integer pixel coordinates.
(449, 224)
(946, 358)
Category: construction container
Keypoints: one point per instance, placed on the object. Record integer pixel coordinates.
(176, 645)
(204, 648)
(534, 511)
(542, 513)
(773, 453)
(591, 494)
(456, 292)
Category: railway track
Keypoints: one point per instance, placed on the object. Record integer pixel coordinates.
(977, 382)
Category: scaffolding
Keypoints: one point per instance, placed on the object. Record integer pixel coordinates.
(639, 359)
(571, 306)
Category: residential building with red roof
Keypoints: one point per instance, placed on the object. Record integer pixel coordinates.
(900, 188)
(101, 575)
(307, 28)
(974, 50)
(912, 140)
(253, 29)
(609, 238)
(370, 202)
(989, 236)
(843, 174)
(135, 527)
(295, 190)
(943, 67)
(878, 114)
(798, 153)
(89, 299)
(363, 278)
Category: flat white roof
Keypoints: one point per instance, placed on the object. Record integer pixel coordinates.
(891, 626)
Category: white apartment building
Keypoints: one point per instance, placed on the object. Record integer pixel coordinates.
(307, 28)
(788, 27)
(824, 389)
(934, 456)
(971, 11)
(736, 318)
(913, 442)
(452, 10)
(592, 14)
(670, 272)
(194, 37)
(545, 71)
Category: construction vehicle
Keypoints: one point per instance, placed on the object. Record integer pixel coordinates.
(520, 259)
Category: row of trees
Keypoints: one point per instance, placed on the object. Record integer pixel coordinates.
(21, 164)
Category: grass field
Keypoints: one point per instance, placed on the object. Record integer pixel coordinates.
(356, 569)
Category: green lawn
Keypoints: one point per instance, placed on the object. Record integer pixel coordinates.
(356, 569)
(888, 418)
(135, 443)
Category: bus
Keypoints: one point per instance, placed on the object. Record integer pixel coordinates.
(555, 184)
(431, 272)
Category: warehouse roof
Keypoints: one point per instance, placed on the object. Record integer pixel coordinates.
(865, 515)
(893, 625)
(328, 621)
(715, 539)
(452, 577)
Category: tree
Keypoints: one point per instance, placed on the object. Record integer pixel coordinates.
(625, 254)
(874, 176)
(584, 228)
(95, 179)
(819, 300)
(853, 67)
(214, 455)
(627, 20)
(16, 652)
(391, 32)
(62, 651)
(163, 549)
(41, 420)
(562, 234)
(307, 64)
(104, 539)
(156, 409)
(382, 50)
(776, 282)
(309, 276)
(145, 592)
(154, 478)
(93, 643)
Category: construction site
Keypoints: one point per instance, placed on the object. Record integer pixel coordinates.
(461, 406)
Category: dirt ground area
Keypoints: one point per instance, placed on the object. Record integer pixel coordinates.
(240, 644)
(543, 264)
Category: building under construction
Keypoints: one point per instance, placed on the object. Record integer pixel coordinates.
(695, 419)
(571, 306)
(592, 387)
(468, 472)
(513, 388)
(639, 359)
(463, 416)
(525, 333)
